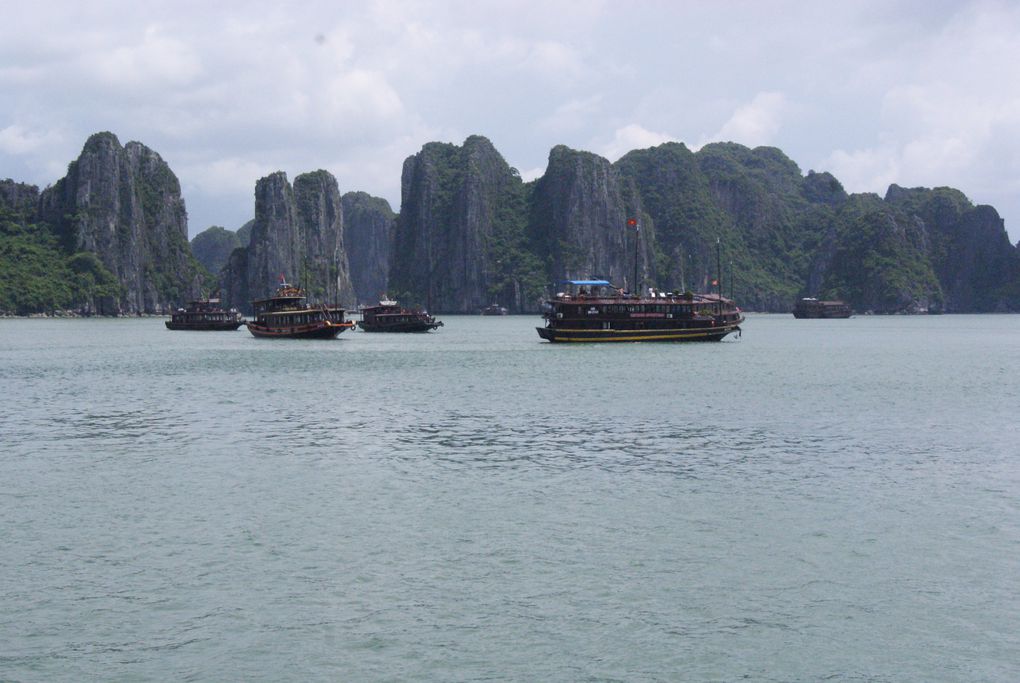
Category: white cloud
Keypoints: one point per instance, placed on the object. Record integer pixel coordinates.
(631, 137)
(17, 140)
(755, 123)
(572, 115)
(20, 75)
(555, 60)
(358, 95)
(156, 61)
(876, 92)
(224, 176)
(945, 114)
(865, 170)
(370, 166)
(532, 174)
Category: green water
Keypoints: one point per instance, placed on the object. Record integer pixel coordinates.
(817, 500)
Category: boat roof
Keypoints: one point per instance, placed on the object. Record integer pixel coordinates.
(587, 283)
(689, 298)
(303, 309)
(296, 297)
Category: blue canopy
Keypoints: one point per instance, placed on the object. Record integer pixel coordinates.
(587, 283)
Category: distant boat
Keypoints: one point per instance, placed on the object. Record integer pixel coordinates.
(287, 315)
(205, 315)
(596, 311)
(813, 308)
(388, 316)
(494, 309)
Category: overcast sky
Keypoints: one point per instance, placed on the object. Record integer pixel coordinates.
(914, 92)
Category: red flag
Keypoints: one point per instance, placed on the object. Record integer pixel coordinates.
(632, 222)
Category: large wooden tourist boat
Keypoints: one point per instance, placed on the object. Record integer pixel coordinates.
(813, 308)
(204, 314)
(286, 314)
(596, 311)
(388, 316)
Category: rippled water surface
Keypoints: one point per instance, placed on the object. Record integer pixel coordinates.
(818, 500)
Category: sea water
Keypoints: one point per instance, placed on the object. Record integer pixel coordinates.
(816, 500)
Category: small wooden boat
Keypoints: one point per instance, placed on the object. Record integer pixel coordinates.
(813, 308)
(494, 309)
(388, 316)
(204, 315)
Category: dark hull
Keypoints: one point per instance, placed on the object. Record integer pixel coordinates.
(411, 326)
(322, 330)
(559, 334)
(813, 308)
(205, 327)
(801, 315)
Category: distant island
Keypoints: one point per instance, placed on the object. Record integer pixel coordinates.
(110, 237)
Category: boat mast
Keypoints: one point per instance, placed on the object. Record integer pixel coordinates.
(632, 222)
(683, 288)
(718, 270)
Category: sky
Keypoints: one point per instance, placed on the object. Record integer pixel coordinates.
(917, 93)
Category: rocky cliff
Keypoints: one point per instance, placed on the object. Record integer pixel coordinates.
(786, 235)
(881, 260)
(468, 226)
(368, 235)
(297, 234)
(748, 204)
(212, 247)
(123, 204)
(244, 233)
(968, 248)
(579, 222)
(18, 199)
(110, 237)
(38, 274)
(677, 195)
(459, 242)
(233, 283)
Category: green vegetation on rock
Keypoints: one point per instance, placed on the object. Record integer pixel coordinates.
(110, 237)
(212, 247)
(38, 276)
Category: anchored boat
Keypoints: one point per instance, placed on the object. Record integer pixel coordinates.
(388, 316)
(813, 308)
(596, 311)
(205, 315)
(494, 309)
(287, 315)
